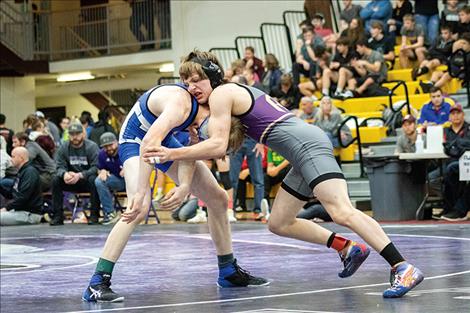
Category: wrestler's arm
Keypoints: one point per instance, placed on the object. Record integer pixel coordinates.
(218, 128)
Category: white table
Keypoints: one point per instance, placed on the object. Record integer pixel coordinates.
(425, 156)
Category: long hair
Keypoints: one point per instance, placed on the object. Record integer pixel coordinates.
(320, 115)
(237, 135)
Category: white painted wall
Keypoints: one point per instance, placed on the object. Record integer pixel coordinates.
(74, 105)
(17, 100)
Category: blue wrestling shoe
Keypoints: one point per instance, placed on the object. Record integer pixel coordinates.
(233, 275)
(403, 278)
(357, 253)
(99, 290)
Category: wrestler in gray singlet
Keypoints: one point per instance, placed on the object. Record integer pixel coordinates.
(305, 146)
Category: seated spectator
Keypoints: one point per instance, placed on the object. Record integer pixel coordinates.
(349, 11)
(463, 25)
(427, 16)
(342, 58)
(376, 10)
(187, 210)
(276, 171)
(6, 133)
(250, 79)
(436, 112)
(64, 132)
(381, 43)
(307, 88)
(253, 63)
(367, 71)
(437, 53)
(307, 110)
(5, 160)
(287, 94)
(76, 171)
(306, 60)
(402, 7)
(450, 15)
(101, 127)
(354, 32)
(26, 205)
(406, 141)
(237, 66)
(110, 176)
(272, 76)
(328, 118)
(412, 38)
(39, 135)
(39, 159)
(314, 211)
(318, 21)
(456, 193)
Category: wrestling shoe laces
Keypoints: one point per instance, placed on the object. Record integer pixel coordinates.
(403, 278)
(101, 292)
(357, 253)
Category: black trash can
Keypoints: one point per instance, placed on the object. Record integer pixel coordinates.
(397, 187)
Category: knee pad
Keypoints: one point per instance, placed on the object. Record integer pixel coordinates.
(225, 180)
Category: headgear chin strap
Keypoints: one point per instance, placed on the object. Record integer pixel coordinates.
(212, 70)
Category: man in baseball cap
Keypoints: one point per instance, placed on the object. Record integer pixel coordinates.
(406, 142)
(110, 176)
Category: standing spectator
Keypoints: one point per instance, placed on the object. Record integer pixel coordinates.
(101, 127)
(412, 39)
(110, 176)
(253, 63)
(402, 7)
(343, 56)
(28, 122)
(87, 122)
(39, 159)
(306, 60)
(7, 133)
(349, 11)
(406, 141)
(456, 193)
(450, 15)
(382, 43)
(436, 112)
(308, 110)
(76, 171)
(51, 127)
(5, 159)
(26, 205)
(437, 53)
(287, 94)
(427, 15)
(376, 10)
(272, 76)
(64, 129)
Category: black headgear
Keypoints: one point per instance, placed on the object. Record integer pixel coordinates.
(212, 70)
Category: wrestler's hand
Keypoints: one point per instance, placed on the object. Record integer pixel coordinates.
(193, 135)
(135, 208)
(174, 197)
(157, 155)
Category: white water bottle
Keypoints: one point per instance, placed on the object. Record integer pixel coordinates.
(419, 144)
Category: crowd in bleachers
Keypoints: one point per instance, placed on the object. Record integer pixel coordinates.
(351, 63)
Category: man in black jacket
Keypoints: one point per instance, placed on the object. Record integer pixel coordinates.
(26, 205)
(76, 171)
(101, 127)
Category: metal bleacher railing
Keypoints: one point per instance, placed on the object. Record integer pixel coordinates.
(107, 29)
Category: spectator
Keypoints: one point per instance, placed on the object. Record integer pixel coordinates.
(276, 171)
(436, 112)
(376, 10)
(287, 94)
(51, 127)
(437, 53)
(381, 43)
(412, 38)
(308, 110)
(42, 137)
(450, 15)
(464, 22)
(272, 76)
(39, 158)
(64, 132)
(237, 66)
(253, 63)
(318, 22)
(349, 11)
(354, 32)
(305, 57)
(456, 193)
(26, 205)
(250, 79)
(28, 122)
(402, 7)
(427, 16)
(101, 127)
(328, 118)
(342, 58)
(187, 210)
(7, 133)
(76, 171)
(314, 211)
(5, 160)
(87, 122)
(110, 176)
(308, 87)
(367, 71)
(406, 141)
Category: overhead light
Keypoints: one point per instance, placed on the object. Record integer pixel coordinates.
(167, 68)
(75, 76)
